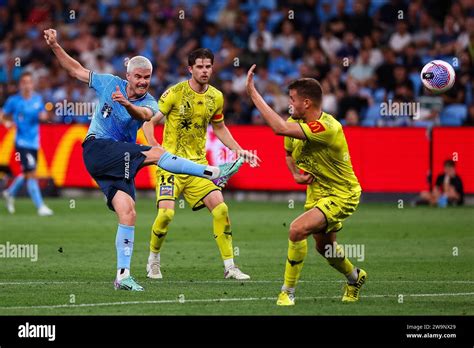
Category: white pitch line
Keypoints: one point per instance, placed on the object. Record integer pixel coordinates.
(47, 282)
(241, 299)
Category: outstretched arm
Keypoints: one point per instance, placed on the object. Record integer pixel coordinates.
(149, 128)
(72, 66)
(278, 125)
(224, 135)
(142, 113)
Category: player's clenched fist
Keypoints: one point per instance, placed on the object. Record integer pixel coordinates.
(303, 178)
(50, 36)
(118, 97)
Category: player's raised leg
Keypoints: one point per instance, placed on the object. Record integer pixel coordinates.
(214, 201)
(124, 206)
(327, 246)
(159, 232)
(178, 165)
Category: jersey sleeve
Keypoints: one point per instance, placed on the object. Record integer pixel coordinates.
(9, 106)
(151, 104)
(219, 114)
(99, 82)
(288, 141)
(166, 102)
(319, 131)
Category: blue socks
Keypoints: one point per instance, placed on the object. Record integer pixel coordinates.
(34, 191)
(179, 165)
(16, 185)
(124, 245)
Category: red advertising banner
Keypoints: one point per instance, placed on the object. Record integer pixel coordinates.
(456, 144)
(384, 159)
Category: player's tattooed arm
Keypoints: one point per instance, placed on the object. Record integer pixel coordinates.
(137, 112)
(72, 66)
(149, 128)
(277, 124)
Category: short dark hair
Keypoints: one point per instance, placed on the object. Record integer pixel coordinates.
(449, 163)
(202, 53)
(308, 88)
(25, 74)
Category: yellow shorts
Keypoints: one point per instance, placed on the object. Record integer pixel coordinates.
(335, 209)
(194, 189)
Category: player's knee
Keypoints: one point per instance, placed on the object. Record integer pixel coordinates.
(128, 216)
(297, 232)
(221, 211)
(165, 216)
(30, 175)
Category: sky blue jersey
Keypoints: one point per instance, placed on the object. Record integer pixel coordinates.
(111, 120)
(25, 113)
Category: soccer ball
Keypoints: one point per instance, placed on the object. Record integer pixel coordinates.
(438, 76)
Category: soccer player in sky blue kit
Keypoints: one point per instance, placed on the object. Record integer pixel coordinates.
(110, 153)
(26, 109)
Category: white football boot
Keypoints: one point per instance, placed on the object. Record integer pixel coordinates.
(234, 272)
(10, 201)
(44, 211)
(153, 270)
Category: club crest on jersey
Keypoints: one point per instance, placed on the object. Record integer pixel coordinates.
(316, 127)
(106, 110)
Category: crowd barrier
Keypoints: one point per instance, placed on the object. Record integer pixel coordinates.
(384, 159)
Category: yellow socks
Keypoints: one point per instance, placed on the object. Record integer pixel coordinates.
(222, 231)
(160, 229)
(339, 261)
(294, 264)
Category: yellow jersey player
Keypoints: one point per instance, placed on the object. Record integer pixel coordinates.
(315, 144)
(189, 107)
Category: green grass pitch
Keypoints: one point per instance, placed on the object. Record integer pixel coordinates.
(408, 252)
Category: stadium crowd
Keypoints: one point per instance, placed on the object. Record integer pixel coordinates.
(365, 53)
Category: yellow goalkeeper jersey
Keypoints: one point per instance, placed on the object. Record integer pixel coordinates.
(325, 154)
(188, 114)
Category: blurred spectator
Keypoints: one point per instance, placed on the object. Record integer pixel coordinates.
(400, 38)
(362, 71)
(470, 116)
(349, 47)
(286, 40)
(360, 22)
(211, 39)
(352, 118)
(448, 189)
(330, 43)
(363, 52)
(229, 15)
(264, 34)
(384, 72)
(352, 99)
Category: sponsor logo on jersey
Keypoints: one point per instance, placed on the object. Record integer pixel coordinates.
(166, 190)
(316, 127)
